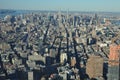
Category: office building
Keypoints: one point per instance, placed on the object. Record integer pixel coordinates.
(114, 63)
(94, 66)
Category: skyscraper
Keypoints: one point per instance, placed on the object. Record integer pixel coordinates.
(30, 75)
(63, 57)
(94, 66)
(114, 63)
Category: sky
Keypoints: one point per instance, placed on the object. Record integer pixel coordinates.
(71, 5)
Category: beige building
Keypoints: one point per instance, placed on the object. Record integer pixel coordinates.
(63, 57)
(94, 66)
(73, 61)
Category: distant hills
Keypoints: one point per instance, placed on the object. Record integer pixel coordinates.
(4, 11)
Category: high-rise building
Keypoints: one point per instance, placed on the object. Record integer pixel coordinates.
(30, 75)
(96, 19)
(114, 63)
(73, 61)
(63, 57)
(94, 66)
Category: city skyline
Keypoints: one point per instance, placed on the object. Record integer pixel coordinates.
(72, 5)
(57, 40)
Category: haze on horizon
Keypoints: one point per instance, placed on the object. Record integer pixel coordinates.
(72, 5)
